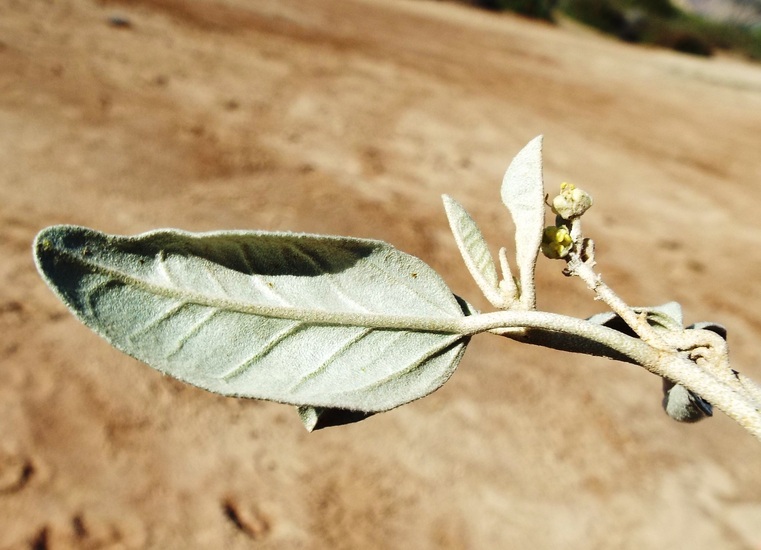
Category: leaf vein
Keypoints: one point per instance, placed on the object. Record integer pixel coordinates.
(163, 268)
(288, 331)
(330, 277)
(449, 323)
(404, 283)
(156, 321)
(427, 355)
(214, 278)
(266, 287)
(348, 343)
(192, 331)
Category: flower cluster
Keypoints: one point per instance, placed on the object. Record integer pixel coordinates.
(568, 206)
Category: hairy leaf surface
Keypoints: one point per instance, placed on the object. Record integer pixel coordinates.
(309, 320)
(523, 194)
(666, 316)
(475, 251)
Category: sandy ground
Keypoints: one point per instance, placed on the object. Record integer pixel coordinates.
(352, 117)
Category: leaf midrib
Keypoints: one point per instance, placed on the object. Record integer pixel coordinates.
(445, 325)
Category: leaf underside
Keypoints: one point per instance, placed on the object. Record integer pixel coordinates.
(287, 317)
(666, 316)
(523, 194)
(475, 251)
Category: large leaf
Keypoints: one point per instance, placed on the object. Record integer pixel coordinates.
(523, 194)
(309, 320)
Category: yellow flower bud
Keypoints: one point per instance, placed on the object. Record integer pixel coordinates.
(556, 242)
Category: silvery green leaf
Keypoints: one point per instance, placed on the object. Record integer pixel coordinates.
(684, 405)
(666, 316)
(475, 252)
(523, 194)
(326, 322)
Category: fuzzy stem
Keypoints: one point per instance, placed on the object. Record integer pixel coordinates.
(553, 330)
(739, 406)
(638, 323)
(716, 383)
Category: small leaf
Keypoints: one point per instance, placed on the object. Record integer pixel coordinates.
(523, 194)
(475, 252)
(325, 322)
(666, 316)
(507, 285)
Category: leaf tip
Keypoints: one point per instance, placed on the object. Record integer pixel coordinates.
(43, 245)
(42, 241)
(535, 145)
(317, 418)
(523, 177)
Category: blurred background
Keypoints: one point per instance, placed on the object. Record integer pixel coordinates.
(353, 117)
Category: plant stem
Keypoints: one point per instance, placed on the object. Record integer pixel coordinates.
(552, 330)
(638, 323)
(716, 383)
(741, 407)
